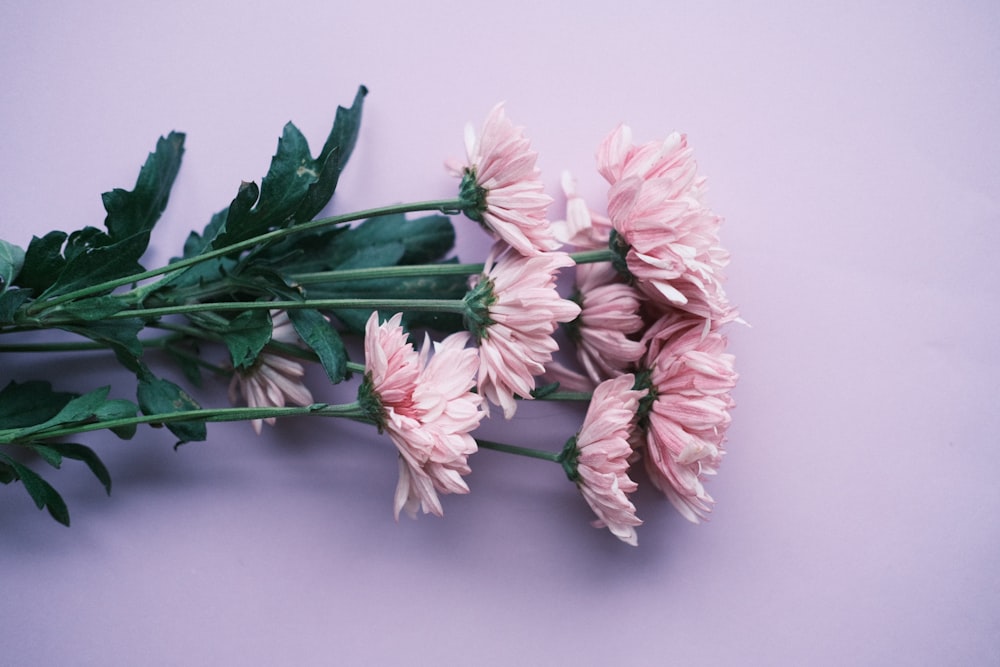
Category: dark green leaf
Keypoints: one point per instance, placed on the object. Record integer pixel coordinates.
(121, 336)
(316, 332)
(246, 336)
(30, 403)
(115, 409)
(83, 453)
(50, 455)
(40, 491)
(95, 308)
(333, 157)
(158, 396)
(11, 261)
(83, 240)
(236, 225)
(7, 474)
(79, 410)
(10, 301)
(99, 263)
(43, 262)
(136, 212)
(289, 178)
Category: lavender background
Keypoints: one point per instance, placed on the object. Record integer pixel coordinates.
(855, 152)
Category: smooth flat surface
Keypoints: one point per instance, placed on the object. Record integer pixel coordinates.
(855, 153)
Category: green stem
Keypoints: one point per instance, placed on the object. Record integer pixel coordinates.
(404, 271)
(592, 256)
(443, 205)
(346, 410)
(427, 305)
(520, 451)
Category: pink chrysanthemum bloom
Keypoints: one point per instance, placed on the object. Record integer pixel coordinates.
(513, 310)
(609, 314)
(686, 414)
(583, 228)
(273, 380)
(427, 406)
(503, 186)
(598, 457)
(665, 237)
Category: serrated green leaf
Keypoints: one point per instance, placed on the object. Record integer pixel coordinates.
(121, 336)
(316, 332)
(115, 409)
(43, 262)
(83, 240)
(79, 410)
(291, 174)
(97, 264)
(158, 396)
(136, 212)
(246, 336)
(48, 454)
(333, 157)
(85, 454)
(40, 491)
(236, 225)
(10, 301)
(29, 403)
(94, 308)
(11, 261)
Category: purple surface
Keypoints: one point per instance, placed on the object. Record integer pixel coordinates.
(855, 153)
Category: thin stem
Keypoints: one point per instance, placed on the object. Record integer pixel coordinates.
(346, 410)
(404, 271)
(520, 451)
(592, 256)
(426, 305)
(443, 205)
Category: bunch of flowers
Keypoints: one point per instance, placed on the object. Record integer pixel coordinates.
(279, 288)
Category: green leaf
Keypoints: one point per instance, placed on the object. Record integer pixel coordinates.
(234, 226)
(94, 308)
(7, 474)
(83, 453)
(115, 409)
(40, 491)
(79, 410)
(11, 261)
(316, 332)
(158, 396)
(136, 212)
(10, 301)
(50, 455)
(95, 264)
(292, 173)
(30, 403)
(43, 262)
(121, 336)
(246, 336)
(333, 157)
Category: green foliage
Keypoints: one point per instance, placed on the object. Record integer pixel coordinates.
(246, 335)
(11, 261)
(318, 334)
(25, 404)
(159, 396)
(40, 491)
(134, 213)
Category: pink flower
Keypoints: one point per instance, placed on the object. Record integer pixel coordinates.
(503, 185)
(513, 311)
(690, 379)
(273, 380)
(609, 314)
(583, 228)
(602, 456)
(427, 406)
(666, 237)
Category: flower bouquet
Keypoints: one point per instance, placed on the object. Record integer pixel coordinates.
(278, 288)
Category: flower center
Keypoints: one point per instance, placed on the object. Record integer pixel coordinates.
(620, 247)
(477, 308)
(569, 458)
(473, 196)
(371, 402)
